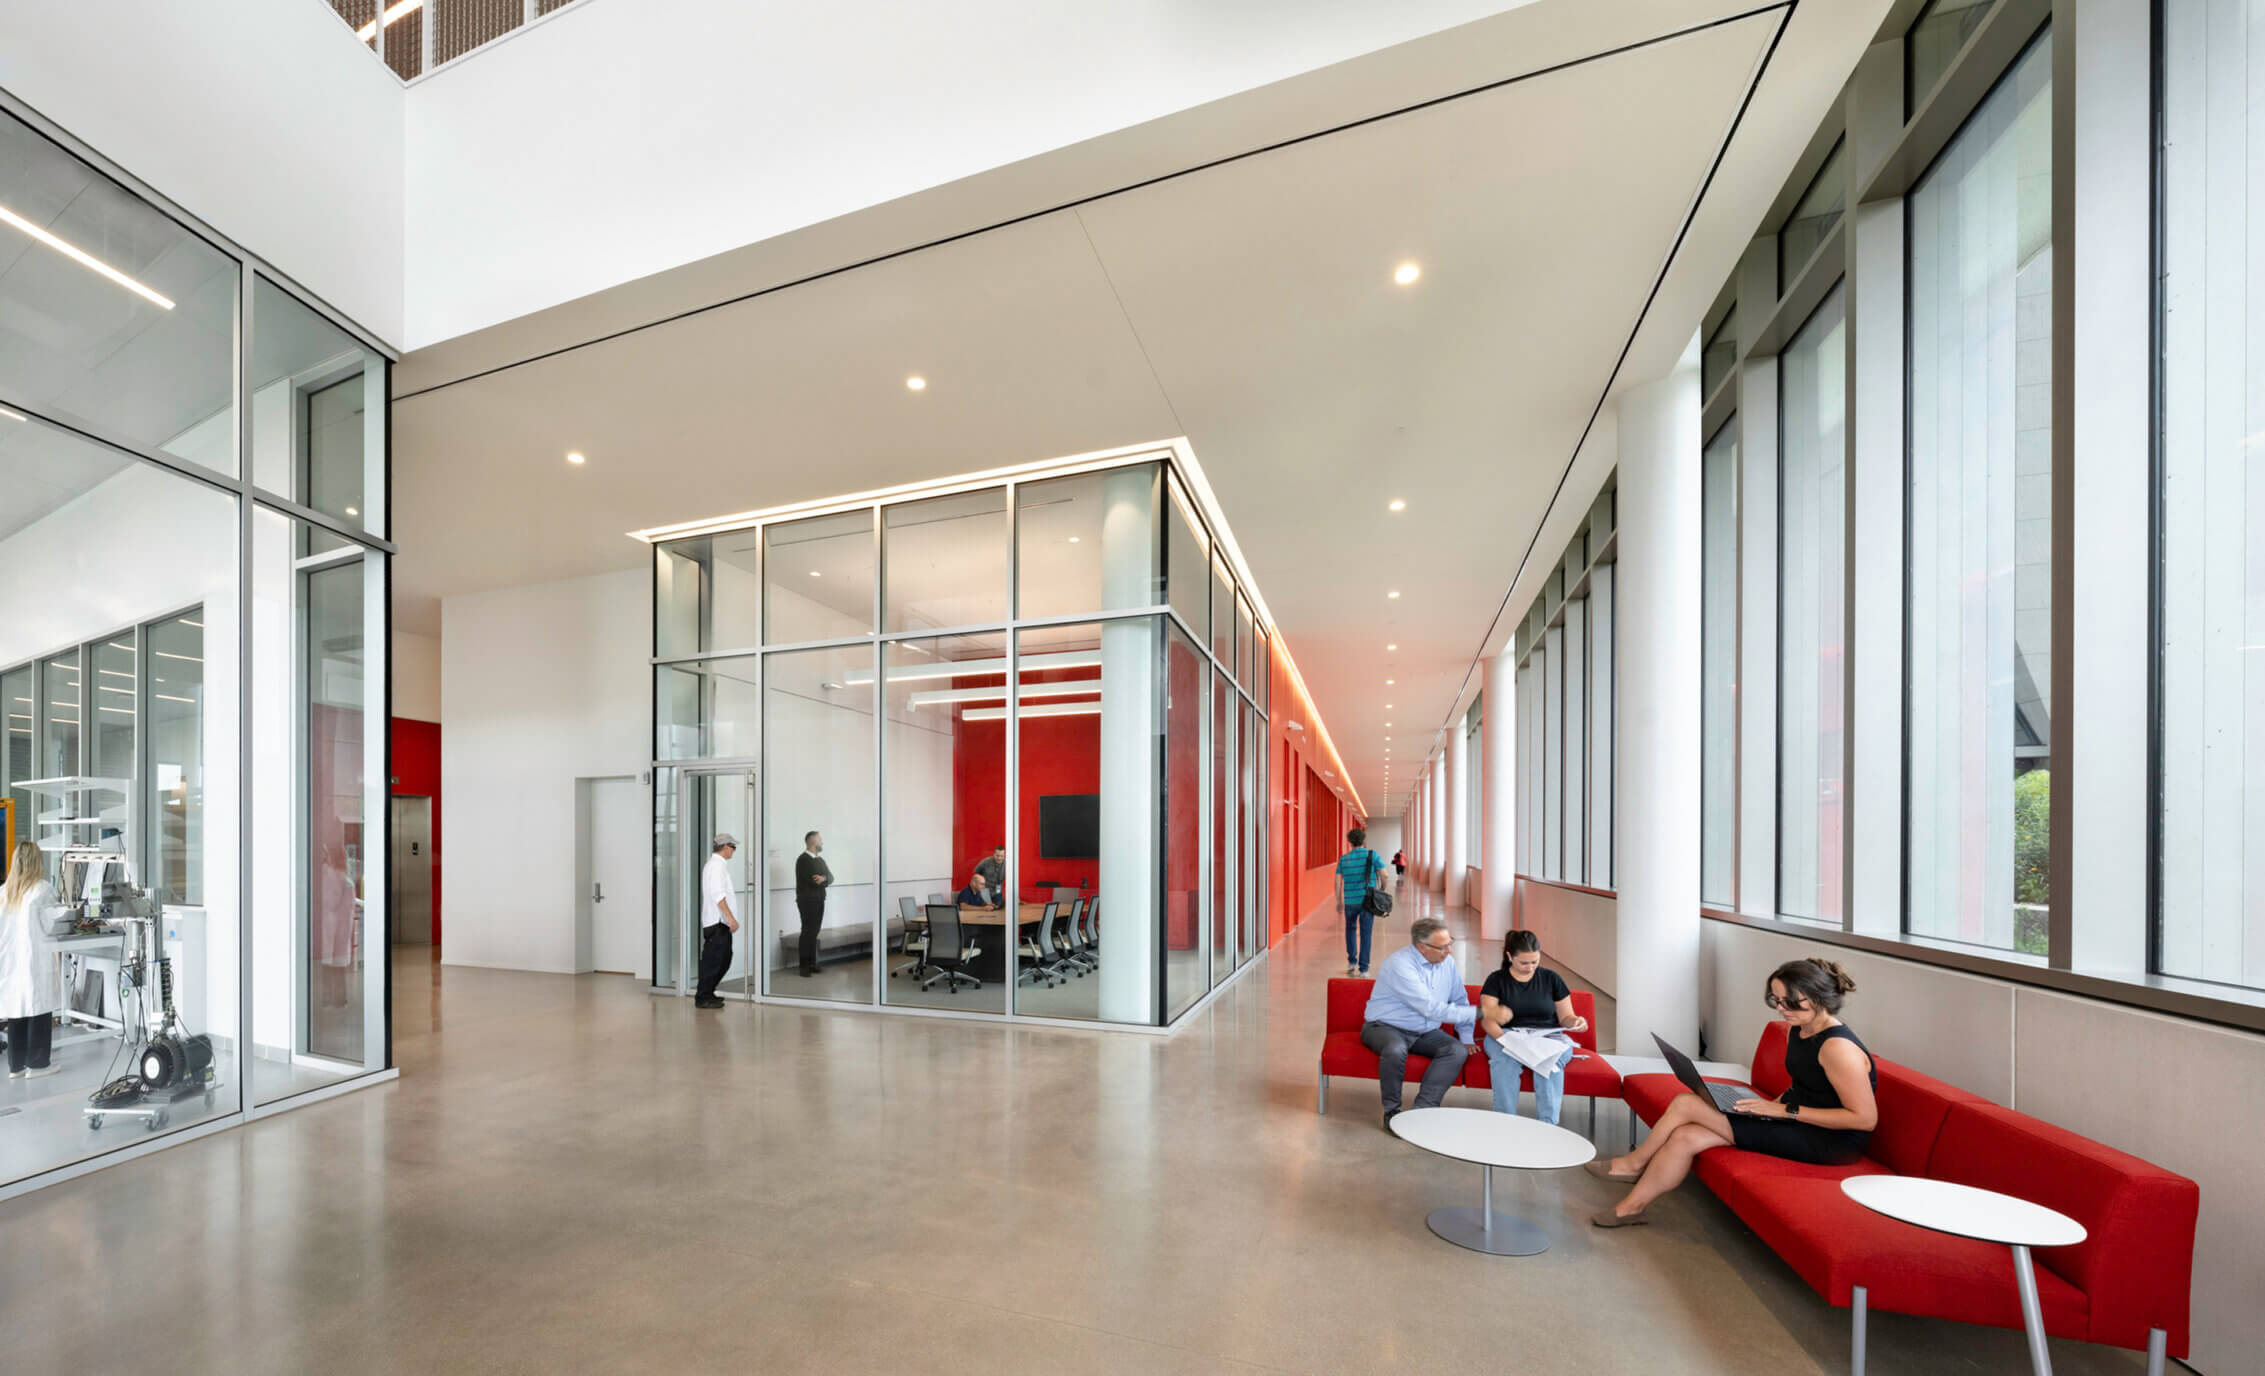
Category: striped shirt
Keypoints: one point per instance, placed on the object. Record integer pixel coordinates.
(1356, 870)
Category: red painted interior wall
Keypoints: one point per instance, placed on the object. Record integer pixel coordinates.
(416, 773)
(1059, 755)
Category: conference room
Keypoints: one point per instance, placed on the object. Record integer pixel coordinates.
(831, 688)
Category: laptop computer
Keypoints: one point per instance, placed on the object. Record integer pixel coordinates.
(1724, 1097)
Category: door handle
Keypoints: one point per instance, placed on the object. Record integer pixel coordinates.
(597, 893)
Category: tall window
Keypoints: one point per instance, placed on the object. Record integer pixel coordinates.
(1980, 556)
(2212, 466)
(1718, 666)
(1814, 216)
(1813, 541)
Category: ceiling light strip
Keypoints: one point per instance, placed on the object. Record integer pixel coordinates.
(1070, 688)
(82, 258)
(972, 668)
(1047, 709)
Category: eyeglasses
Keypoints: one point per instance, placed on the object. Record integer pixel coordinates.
(1447, 945)
(1790, 1004)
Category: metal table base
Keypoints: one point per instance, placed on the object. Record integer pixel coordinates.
(1484, 1230)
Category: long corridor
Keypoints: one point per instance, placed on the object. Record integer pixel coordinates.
(572, 1175)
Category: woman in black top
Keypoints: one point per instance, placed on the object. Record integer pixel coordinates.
(1524, 996)
(1825, 1116)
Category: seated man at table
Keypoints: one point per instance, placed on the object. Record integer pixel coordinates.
(977, 894)
(1417, 988)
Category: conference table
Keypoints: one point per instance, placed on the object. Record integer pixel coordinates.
(998, 952)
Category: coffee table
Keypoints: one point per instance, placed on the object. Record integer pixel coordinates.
(1964, 1211)
(1489, 1139)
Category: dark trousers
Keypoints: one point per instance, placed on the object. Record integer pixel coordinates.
(1359, 921)
(28, 1041)
(1394, 1045)
(715, 957)
(813, 911)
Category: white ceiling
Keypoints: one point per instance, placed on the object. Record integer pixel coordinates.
(1249, 307)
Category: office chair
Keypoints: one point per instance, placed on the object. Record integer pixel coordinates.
(1038, 949)
(947, 949)
(1085, 948)
(915, 941)
(1062, 939)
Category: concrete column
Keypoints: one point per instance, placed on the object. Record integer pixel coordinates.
(1455, 783)
(1498, 791)
(1656, 947)
(1131, 720)
(1435, 785)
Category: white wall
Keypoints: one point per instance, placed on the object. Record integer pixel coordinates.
(640, 136)
(1384, 836)
(540, 686)
(262, 117)
(416, 676)
(1579, 932)
(2185, 1095)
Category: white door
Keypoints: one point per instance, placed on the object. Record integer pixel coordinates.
(620, 897)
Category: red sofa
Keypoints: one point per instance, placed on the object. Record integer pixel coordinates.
(2125, 1285)
(1587, 1074)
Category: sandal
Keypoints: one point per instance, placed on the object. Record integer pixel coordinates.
(1609, 1219)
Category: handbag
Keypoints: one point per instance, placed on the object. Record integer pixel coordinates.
(1378, 903)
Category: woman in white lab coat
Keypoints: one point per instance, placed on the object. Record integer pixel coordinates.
(30, 990)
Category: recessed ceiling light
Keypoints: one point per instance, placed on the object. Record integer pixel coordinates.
(83, 258)
(916, 383)
(1394, 593)
(1391, 647)
(575, 456)
(1390, 681)
(1388, 707)
(353, 511)
(815, 574)
(1395, 505)
(1073, 539)
(1406, 273)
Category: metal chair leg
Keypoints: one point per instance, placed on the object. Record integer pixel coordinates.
(1856, 1325)
(1592, 1117)
(1321, 1100)
(2158, 1347)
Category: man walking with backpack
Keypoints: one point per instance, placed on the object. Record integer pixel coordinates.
(1360, 896)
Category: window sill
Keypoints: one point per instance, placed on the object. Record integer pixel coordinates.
(1568, 886)
(2222, 1004)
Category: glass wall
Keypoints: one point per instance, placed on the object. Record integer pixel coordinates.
(1007, 851)
(1563, 649)
(1718, 665)
(1812, 546)
(1980, 533)
(1814, 216)
(821, 872)
(134, 652)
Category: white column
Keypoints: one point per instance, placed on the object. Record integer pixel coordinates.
(1455, 784)
(1498, 791)
(1130, 722)
(1656, 961)
(1435, 784)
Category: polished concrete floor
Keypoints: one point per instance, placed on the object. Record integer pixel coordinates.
(572, 1175)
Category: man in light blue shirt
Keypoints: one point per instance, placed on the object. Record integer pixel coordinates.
(1417, 989)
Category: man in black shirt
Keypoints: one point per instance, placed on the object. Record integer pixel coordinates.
(811, 876)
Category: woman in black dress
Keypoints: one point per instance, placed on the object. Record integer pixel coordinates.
(1825, 1116)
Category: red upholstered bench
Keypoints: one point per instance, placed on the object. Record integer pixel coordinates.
(1342, 1053)
(2125, 1285)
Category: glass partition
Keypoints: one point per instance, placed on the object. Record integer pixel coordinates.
(704, 595)
(943, 821)
(1221, 827)
(59, 715)
(318, 415)
(1813, 218)
(818, 578)
(945, 561)
(707, 709)
(1222, 614)
(1246, 642)
(821, 876)
(1718, 664)
(1088, 543)
(111, 700)
(1063, 723)
(1187, 553)
(1187, 942)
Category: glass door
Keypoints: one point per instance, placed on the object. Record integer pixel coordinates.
(719, 800)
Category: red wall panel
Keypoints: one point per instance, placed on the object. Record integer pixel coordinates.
(1059, 755)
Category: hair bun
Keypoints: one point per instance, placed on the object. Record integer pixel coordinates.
(1838, 976)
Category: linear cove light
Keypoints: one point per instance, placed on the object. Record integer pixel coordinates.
(83, 259)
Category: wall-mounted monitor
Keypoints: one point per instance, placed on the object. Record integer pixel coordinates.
(1069, 826)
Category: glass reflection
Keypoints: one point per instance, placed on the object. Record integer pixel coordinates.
(943, 810)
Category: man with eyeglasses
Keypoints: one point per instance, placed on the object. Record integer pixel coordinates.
(1417, 989)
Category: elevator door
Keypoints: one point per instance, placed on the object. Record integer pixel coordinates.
(410, 920)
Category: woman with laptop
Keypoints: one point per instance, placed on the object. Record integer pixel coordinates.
(1825, 1116)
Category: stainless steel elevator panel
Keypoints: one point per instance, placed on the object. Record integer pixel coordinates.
(410, 923)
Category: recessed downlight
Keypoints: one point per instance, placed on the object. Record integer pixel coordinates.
(1394, 593)
(576, 457)
(1406, 274)
(1390, 681)
(1395, 505)
(916, 383)
(353, 511)
(1391, 647)
(1073, 539)
(815, 574)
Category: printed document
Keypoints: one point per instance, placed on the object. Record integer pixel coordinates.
(1538, 1051)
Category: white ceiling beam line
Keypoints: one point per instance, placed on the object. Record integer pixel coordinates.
(973, 668)
(1045, 709)
(1070, 688)
(83, 259)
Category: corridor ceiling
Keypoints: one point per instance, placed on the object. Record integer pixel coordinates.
(1545, 169)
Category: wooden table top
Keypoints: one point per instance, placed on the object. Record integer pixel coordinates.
(997, 917)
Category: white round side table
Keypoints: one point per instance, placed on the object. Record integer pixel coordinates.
(1489, 1139)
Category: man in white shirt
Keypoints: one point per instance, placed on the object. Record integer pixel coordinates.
(716, 920)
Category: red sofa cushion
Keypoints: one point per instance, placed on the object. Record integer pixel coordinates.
(1734, 1175)
(1836, 1244)
(1343, 1054)
(2137, 1259)
(1769, 1061)
(1648, 1095)
(1348, 1004)
(1912, 1107)
(1587, 1075)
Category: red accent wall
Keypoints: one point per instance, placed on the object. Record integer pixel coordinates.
(1059, 755)
(416, 773)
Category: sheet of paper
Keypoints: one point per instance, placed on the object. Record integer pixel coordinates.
(1537, 1051)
